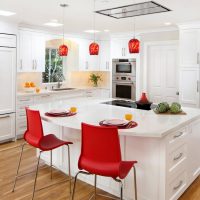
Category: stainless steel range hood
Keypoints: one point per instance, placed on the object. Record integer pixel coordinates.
(145, 8)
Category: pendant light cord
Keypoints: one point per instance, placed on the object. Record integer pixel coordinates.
(94, 19)
(63, 24)
(134, 22)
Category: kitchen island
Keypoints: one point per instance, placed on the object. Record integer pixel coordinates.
(165, 146)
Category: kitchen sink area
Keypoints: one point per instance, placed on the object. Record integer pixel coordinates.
(62, 89)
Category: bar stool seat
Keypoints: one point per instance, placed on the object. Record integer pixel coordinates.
(109, 169)
(47, 143)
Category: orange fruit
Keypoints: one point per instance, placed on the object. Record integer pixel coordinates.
(27, 85)
(32, 84)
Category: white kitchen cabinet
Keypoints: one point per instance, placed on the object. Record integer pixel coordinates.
(190, 48)
(86, 61)
(119, 48)
(7, 124)
(8, 79)
(189, 65)
(193, 146)
(31, 52)
(189, 87)
(104, 52)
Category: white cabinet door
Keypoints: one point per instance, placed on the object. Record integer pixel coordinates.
(26, 63)
(105, 64)
(189, 87)
(7, 124)
(32, 52)
(83, 55)
(38, 48)
(117, 48)
(193, 147)
(189, 48)
(8, 79)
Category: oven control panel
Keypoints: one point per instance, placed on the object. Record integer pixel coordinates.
(124, 78)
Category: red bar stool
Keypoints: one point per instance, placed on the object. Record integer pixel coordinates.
(101, 155)
(34, 136)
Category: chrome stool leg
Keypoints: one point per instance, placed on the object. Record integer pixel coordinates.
(51, 164)
(36, 174)
(75, 180)
(69, 171)
(20, 159)
(135, 182)
(95, 186)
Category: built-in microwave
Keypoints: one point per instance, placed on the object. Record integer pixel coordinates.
(124, 67)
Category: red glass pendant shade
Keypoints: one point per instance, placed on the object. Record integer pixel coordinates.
(63, 50)
(134, 46)
(94, 49)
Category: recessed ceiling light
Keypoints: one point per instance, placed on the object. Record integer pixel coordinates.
(6, 13)
(168, 23)
(53, 24)
(91, 31)
(106, 30)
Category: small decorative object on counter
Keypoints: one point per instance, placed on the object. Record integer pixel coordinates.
(128, 116)
(95, 78)
(73, 109)
(164, 108)
(144, 103)
(29, 87)
(37, 90)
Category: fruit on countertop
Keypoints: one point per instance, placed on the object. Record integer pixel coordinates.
(175, 108)
(164, 107)
(27, 85)
(32, 84)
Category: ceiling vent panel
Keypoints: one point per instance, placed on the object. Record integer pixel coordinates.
(145, 8)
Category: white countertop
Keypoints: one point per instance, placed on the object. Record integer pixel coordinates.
(90, 110)
(42, 92)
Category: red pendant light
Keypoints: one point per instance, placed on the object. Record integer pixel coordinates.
(94, 48)
(134, 46)
(63, 49)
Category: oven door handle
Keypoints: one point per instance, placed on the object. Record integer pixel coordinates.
(124, 83)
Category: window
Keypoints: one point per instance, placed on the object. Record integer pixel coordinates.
(53, 66)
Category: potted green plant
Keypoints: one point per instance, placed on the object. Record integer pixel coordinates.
(95, 78)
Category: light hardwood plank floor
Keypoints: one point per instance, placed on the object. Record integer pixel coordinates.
(8, 164)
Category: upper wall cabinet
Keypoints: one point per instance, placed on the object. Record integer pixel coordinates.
(104, 52)
(31, 52)
(119, 48)
(190, 48)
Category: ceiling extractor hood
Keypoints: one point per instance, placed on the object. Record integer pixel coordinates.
(144, 8)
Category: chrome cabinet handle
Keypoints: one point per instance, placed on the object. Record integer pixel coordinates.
(178, 135)
(21, 66)
(108, 65)
(35, 64)
(198, 61)
(86, 67)
(197, 86)
(4, 116)
(33, 67)
(178, 186)
(178, 157)
(45, 96)
(122, 51)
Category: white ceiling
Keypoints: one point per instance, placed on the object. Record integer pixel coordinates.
(79, 14)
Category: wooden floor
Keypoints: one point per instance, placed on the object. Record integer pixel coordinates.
(8, 164)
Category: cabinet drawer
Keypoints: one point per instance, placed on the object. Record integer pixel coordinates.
(178, 137)
(177, 186)
(24, 101)
(177, 158)
(7, 124)
(7, 40)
